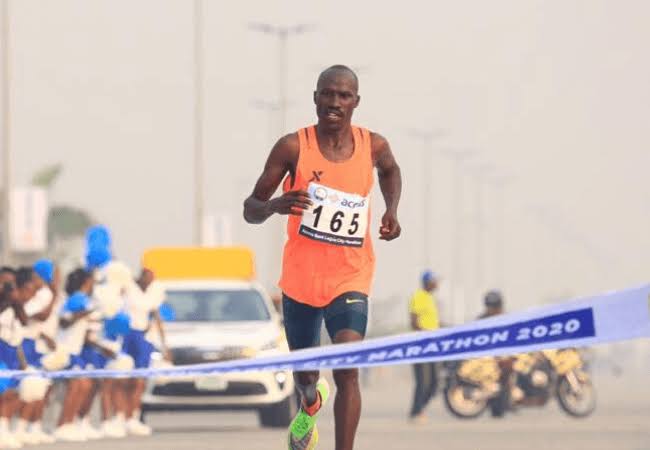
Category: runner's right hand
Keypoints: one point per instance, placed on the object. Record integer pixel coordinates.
(292, 202)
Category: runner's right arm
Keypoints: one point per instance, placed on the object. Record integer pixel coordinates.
(283, 159)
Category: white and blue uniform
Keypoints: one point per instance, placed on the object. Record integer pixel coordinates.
(73, 338)
(11, 336)
(108, 297)
(140, 306)
(32, 331)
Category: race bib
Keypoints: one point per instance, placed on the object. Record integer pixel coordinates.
(335, 217)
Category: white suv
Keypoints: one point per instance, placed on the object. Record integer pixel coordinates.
(219, 320)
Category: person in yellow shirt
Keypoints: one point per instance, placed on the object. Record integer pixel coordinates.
(423, 308)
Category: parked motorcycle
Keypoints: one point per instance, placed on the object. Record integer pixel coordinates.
(527, 379)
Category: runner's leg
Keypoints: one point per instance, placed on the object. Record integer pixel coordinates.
(347, 403)
(346, 319)
(302, 325)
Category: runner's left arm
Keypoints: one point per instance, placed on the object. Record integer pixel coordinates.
(390, 182)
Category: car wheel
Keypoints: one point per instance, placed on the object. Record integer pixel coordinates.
(278, 415)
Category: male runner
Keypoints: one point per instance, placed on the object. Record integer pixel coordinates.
(328, 261)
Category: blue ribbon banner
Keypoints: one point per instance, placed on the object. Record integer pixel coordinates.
(613, 316)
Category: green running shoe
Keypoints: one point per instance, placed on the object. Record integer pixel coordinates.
(303, 433)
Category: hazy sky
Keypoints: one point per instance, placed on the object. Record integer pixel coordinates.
(554, 94)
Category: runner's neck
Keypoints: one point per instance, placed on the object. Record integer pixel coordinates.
(336, 145)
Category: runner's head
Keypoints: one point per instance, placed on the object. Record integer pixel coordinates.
(429, 281)
(336, 96)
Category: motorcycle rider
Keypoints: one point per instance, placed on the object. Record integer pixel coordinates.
(493, 301)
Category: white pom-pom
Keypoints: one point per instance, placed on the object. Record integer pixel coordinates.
(33, 388)
(109, 299)
(158, 362)
(118, 274)
(121, 362)
(57, 360)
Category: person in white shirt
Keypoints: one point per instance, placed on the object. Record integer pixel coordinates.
(110, 282)
(44, 308)
(143, 301)
(10, 338)
(75, 322)
(38, 301)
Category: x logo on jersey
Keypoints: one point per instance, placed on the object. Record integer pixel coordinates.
(316, 175)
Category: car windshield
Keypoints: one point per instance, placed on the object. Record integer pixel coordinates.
(215, 306)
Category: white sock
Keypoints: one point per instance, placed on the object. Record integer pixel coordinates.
(119, 417)
(4, 425)
(36, 427)
(136, 415)
(21, 426)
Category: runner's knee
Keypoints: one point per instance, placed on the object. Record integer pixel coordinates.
(346, 377)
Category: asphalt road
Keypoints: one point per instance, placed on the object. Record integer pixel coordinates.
(621, 422)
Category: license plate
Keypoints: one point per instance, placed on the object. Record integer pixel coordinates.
(211, 384)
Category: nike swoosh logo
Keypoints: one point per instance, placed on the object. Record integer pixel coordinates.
(349, 301)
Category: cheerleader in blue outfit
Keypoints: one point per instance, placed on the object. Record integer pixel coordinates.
(76, 318)
(10, 338)
(143, 302)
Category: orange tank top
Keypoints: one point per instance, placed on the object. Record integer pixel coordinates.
(329, 251)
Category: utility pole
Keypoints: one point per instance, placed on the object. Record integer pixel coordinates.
(199, 200)
(6, 133)
(481, 174)
(458, 156)
(427, 138)
(270, 108)
(501, 183)
(282, 33)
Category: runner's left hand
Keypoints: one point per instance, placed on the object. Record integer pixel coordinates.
(390, 227)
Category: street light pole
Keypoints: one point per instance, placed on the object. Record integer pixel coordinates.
(282, 33)
(481, 174)
(6, 130)
(270, 108)
(426, 138)
(501, 183)
(198, 124)
(457, 156)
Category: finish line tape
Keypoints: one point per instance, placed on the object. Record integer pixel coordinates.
(610, 317)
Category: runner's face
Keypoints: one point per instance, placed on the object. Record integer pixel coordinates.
(336, 98)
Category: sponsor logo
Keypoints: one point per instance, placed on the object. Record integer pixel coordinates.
(316, 174)
(320, 193)
(350, 301)
(353, 204)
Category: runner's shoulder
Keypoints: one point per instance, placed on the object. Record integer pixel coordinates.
(288, 147)
(379, 144)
